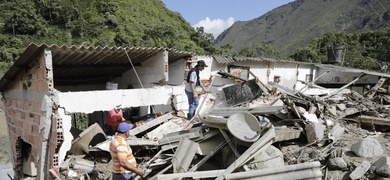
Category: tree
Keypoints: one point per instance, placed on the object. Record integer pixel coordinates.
(259, 50)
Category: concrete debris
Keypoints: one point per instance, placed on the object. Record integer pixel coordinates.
(382, 166)
(360, 170)
(337, 163)
(272, 157)
(367, 147)
(249, 130)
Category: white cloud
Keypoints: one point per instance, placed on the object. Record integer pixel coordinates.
(215, 26)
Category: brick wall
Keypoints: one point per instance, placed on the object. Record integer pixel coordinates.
(23, 99)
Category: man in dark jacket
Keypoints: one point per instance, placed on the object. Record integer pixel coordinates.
(193, 81)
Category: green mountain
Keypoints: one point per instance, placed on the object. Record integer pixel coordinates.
(141, 23)
(295, 24)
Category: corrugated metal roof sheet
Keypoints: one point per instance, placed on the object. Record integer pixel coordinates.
(80, 64)
(228, 59)
(351, 70)
(224, 59)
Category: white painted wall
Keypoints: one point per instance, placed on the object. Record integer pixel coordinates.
(90, 101)
(266, 70)
(344, 77)
(176, 72)
(151, 71)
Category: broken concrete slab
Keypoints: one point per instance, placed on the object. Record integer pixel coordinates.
(336, 132)
(151, 124)
(184, 154)
(367, 147)
(272, 157)
(262, 110)
(360, 170)
(314, 132)
(283, 133)
(193, 133)
(173, 125)
(93, 135)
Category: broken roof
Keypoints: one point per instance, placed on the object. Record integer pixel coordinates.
(330, 67)
(80, 64)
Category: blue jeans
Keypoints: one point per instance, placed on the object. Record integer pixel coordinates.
(192, 102)
(119, 176)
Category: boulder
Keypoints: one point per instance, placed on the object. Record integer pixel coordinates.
(367, 147)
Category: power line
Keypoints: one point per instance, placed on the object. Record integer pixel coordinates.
(383, 7)
(377, 13)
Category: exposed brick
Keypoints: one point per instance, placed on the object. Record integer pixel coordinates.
(37, 108)
(18, 131)
(18, 104)
(42, 86)
(38, 72)
(29, 106)
(23, 115)
(11, 129)
(34, 128)
(25, 126)
(34, 85)
(34, 152)
(37, 119)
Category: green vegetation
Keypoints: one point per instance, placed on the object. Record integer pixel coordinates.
(295, 24)
(369, 50)
(284, 33)
(140, 23)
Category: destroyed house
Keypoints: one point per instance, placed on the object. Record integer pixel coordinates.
(290, 74)
(51, 92)
(48, 84)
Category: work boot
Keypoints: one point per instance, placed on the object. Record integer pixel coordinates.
(189, 116)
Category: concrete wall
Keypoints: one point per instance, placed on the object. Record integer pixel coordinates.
(151, 71)
(177, 72)
(266, 70)
(344, 78)
(29, 108)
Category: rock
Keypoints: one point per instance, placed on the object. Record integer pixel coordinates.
(314, 132)
(382, 166)
(367, 147)
(270, 158)
(341, 107)
(337, 163)
(360, 170)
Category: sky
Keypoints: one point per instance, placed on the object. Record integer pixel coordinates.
(217, 15)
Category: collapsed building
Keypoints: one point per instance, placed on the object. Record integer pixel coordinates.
(56, 100)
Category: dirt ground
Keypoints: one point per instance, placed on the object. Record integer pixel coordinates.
(5, 154)
(353, 133)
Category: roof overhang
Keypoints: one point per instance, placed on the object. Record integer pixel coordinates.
(80, 64)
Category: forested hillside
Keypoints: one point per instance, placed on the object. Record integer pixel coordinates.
(295, 24)
(141, 23)
(301, 30)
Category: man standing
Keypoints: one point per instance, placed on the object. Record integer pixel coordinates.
(124, 163)
(193, 81)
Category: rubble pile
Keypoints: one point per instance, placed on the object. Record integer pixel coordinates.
(279, 133)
